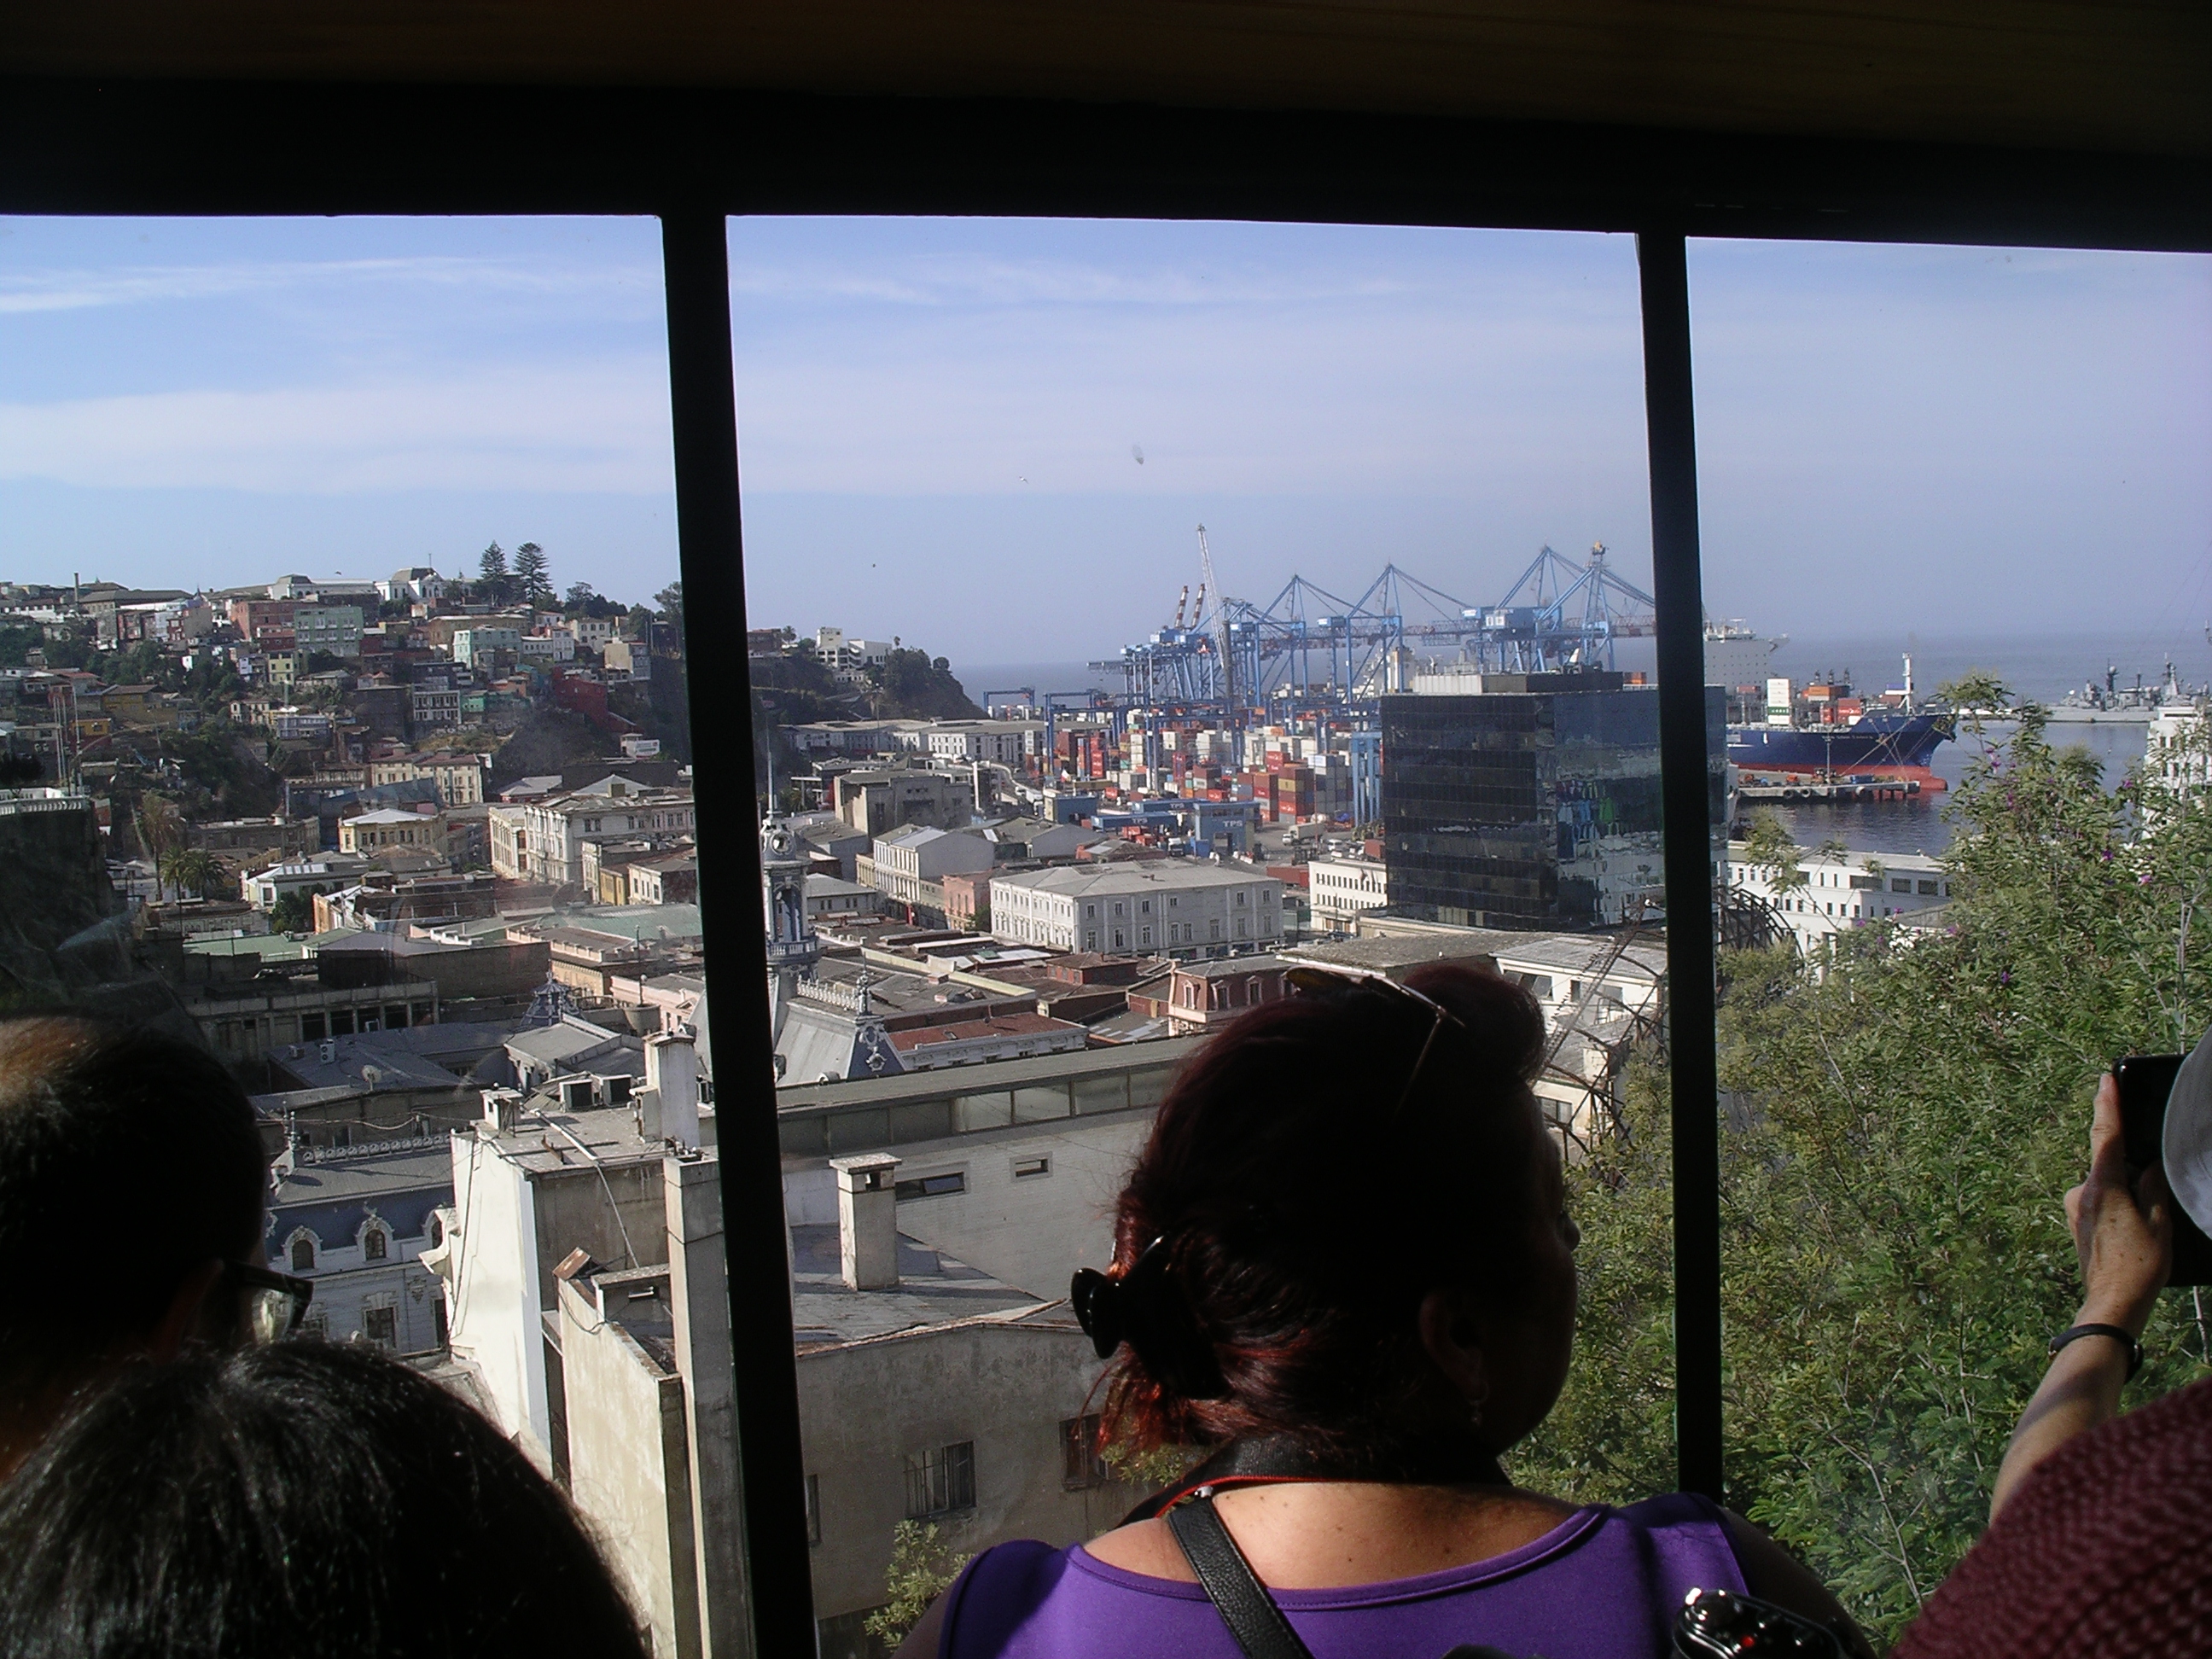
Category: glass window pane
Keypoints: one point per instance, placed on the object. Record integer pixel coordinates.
(1024, 797)
(341, 663)
(1955, 834)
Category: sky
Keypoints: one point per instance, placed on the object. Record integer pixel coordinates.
(941, 419)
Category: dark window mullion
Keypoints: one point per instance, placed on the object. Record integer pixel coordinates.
(769, 1474)
(1694, 1072)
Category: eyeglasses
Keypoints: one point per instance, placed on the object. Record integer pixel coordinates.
(1309, 980)
(275, 1303)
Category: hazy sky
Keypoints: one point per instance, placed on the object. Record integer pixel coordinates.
(939, 419)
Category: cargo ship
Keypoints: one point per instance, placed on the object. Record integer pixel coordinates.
(1824, 730)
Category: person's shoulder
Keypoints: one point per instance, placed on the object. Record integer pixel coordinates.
(997, 1593)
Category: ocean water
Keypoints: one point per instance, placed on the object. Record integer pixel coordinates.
(2042, 666)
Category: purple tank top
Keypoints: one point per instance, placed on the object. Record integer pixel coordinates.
(1602, 1584)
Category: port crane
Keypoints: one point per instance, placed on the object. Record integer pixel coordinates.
(1308, 648)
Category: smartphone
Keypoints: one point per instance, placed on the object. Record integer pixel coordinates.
(2145, 1082)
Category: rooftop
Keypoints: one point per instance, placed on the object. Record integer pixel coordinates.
(1398, 952)
(1576, 953)
(933, 1289)
(540, 1147)
(1078, 880)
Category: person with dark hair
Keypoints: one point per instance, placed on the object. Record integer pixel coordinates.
(300, 1497)
(132, 1157)
(1344, 1271)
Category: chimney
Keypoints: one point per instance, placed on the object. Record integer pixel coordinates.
(502, 1110)
(867, 1220)
(672, 1072)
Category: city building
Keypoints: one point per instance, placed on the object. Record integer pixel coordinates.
(1203, 995)
(2178, 749)
(459, 777)
(1009, 743)
(388, 829)
(477, 646)
(331, 628)
(1173, 907)
(912, 860)
(878, 802)
(1533, 803)
(356, 1220)
(1827, 895)
(542, 840)
(1340, 887)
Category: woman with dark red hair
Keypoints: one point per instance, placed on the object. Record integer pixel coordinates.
(1344, 1269)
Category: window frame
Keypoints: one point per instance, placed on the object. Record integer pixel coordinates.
(692, 155)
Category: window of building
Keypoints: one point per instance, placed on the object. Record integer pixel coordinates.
(813, 1508)
(1145, 936)
(1898, 884)
(1027, 1168)
(933, 1185)
(303, 1254)
(372, 1245)
(380, 1326)
(941, 1481)
(1081, 1463)
(1927, 889)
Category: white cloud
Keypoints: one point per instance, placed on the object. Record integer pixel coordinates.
(601, 426)
(78, 289)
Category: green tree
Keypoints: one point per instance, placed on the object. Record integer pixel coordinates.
(1771, 850)
(1899, 1126)
(295, 912)
(532, 574)
(671, 601)
(923, 1568)
(19, 640)
(492, 579)
(189, 871)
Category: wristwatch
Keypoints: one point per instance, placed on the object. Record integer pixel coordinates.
(2073, 1332)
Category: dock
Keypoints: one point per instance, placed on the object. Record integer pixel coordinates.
(1827, 789)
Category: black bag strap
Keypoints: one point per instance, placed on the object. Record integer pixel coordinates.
(1254, 1620)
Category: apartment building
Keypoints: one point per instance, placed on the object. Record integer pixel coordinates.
(912, 858)
(1173, 907)
(542, 840)
(459, 777)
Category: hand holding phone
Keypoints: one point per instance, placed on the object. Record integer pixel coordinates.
(2145, 1085)
(2123, 1230)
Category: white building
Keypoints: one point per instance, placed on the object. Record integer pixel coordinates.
(418, 584)
(1007, 742)
(1834, 895)
(592, 633)
(2178, 749)
(1339, 889)
(1171, 906)
(907, 858)
(262, 888)
(543, 840)
(558, 645)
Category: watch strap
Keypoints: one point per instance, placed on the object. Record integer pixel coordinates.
(2125, 1338)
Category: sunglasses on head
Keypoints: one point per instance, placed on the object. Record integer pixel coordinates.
(1309, 980)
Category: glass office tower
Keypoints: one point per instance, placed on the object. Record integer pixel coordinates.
(1533, 803)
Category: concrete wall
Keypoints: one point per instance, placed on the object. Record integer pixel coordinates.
(629, 1464)
(494, 1300)
(863, 1407)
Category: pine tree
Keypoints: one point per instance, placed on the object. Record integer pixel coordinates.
(532, 571)
(491, 573)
